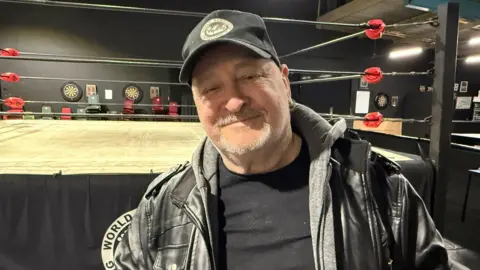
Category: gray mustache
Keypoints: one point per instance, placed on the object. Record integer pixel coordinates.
(244, 114)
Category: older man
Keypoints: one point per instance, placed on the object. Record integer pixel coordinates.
(273, 185)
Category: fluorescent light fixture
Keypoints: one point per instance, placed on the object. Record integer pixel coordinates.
(473, 59)
(405, 52)
(474, 41)
(418, 7)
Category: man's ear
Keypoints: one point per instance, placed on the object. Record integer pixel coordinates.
(285, 71)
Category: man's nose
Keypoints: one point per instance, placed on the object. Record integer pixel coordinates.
(236, 100)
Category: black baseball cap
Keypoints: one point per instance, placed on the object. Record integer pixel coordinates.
(226, 27)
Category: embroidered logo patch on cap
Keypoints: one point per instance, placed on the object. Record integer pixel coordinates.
(215, 28)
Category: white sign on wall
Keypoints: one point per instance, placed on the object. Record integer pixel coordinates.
(463, 103)
(108, 94)
(362, 102)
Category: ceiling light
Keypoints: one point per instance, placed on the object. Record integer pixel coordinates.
(474, 41)
(405, 52)
(417, 7)
(473, 59)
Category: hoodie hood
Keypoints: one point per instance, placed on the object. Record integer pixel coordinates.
(316, 131)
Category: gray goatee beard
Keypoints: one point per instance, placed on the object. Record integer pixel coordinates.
(227, 147)
(237, 150)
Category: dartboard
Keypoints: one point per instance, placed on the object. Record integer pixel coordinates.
(381, 101)
(71, 92)
(133, 93)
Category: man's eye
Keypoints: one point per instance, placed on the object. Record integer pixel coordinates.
(210, 89)
(251, 77)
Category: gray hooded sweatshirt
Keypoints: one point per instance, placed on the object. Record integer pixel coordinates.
(319, 136)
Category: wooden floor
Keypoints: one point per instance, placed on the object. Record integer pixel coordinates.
(90, 147)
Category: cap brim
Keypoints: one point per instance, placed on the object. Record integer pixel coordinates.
(189, 63)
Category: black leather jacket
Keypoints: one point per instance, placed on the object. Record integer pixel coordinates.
(379, 220)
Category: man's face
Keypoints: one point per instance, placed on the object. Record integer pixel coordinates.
(242, 101)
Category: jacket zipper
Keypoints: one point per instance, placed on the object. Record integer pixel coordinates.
(374, 231)
(389, 260)
(197, 224)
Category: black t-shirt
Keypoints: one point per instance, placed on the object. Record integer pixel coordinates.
(265, 222)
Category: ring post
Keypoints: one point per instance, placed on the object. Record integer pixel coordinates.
(442, 104)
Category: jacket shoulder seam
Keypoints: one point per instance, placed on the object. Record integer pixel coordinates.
(154, 187)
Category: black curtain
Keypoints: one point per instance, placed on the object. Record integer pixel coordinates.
(65, 222)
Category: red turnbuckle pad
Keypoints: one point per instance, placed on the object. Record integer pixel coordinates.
(376, 32)
(9, 52)
(373, 119)
(373, 75)
(14, 102)
(10, 77)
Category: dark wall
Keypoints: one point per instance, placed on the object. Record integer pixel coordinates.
(470, 73)
(414, 104)
(115, 34)
(411, 102)
(323, 96)
(419, 105)
(82, 32)
(298, 9)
